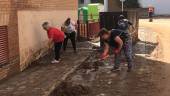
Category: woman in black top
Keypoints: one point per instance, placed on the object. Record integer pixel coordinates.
(70, 33)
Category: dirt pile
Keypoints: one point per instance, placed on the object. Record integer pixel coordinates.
(70, 89)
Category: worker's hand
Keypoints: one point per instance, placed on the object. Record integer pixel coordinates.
(104, 56)
(50, 44)
(65, 36)
(116, 51)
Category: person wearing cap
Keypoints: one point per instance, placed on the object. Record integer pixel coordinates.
(55, 36)
(118, 41)
(123, 23)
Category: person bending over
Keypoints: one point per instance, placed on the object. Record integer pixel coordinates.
(55, 36)
(118, 41)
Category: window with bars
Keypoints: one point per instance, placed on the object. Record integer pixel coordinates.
(3, 45)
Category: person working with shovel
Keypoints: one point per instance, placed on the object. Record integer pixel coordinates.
(118, 41)
(56, 37)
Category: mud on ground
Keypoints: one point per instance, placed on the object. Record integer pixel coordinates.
(94, 78)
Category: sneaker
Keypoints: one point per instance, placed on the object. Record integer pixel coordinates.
(55, 61)
(116, 69)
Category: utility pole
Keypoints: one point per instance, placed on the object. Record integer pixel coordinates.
(122, 4)
(105, 5)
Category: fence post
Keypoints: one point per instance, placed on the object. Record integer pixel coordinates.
(78, 30)
(87, 28)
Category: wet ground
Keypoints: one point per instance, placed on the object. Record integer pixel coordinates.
(42, 77)
(94, 78)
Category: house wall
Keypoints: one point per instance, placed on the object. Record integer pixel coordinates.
(32, 38)
(31, 14)
(8, 17)
(16, 13)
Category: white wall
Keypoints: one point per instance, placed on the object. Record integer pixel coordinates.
(162, 7)
(32, 38)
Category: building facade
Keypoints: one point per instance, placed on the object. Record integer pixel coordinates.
(27, 41)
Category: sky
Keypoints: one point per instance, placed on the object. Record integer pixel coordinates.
(161, 6)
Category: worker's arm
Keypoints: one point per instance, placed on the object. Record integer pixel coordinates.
(106, 48)
(74, 24)
(50, 43)
(50, 36)
(131, 24)
(105, 52)
(119, 41)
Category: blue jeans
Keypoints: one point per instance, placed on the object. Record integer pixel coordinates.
(127, 50)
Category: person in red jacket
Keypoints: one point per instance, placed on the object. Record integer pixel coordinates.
(55, 36)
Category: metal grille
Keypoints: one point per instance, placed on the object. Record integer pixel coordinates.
(3, 45)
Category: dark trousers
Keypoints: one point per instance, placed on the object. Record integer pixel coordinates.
(57, 49)
(150, 16)
(72, 37)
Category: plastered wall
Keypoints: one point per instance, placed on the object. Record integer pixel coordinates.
(32, 38)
